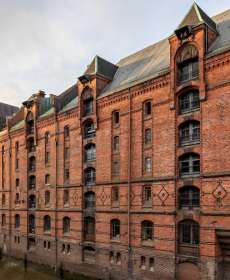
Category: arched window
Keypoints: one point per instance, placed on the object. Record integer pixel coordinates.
(89, 229)
(47, 179)
(189, 101)
(32, 182)
(90, 176)
(148, 108)
(66, 197)
(17, 221)
(146, 231)
(90, 152)
(32, 201)
(3, 199)
(115, 229)
(3, 220)
(187, 63)
(143, 263)
(47, 138)
(32, 164)
(116, 118)
(116, 143)
(31, 145)
(189, 232)
(47, 198)
(66, 225)
(189, 132)
(189, 164)
(31, 223)
(89, 200)
(87, 102)
(189, 197)
(47, 223)
(66, 132)
(89, 129)
(30, 123)
(148, 136)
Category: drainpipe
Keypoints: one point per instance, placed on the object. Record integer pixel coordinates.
(56, 194)
(129, 190)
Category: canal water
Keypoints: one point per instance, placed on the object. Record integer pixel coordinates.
(13, 270)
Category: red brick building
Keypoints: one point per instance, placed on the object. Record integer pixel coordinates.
(129, 169)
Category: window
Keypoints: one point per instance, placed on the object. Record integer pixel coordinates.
(17, 221)
(66, 175)
(47, 157)
(111, 257)
(66, 225)
(189, 197)
(118, 258)
(189, 133)
(115, 194)
(17, 163)
(116, 143)
(90, 200)
(116, 118)
(115, 229)
(3, 199)
(87, 102)
(89, 129)
(189, 101)
(30, 123)
(89, 229)
(189, 232)
(147, 196)
(17, 198)
(66, 131)
(148, 165)
(32, 224)
(32, 182)
(68, 249)
(66, 153)
(32, 164)
(47, 179)
(116, 169)
(47, 138)
(151, 264)
(31, 145)
(16, 147)
(46, 223)
(90, 176)
(143, 265)
(3, 220)
(66, 197)
(148, 108)
(148, 136)
(17, 182)
(90, 152)
(32, 201)
(187, 63)
(189, 164)
(47, 198)
(146, 231)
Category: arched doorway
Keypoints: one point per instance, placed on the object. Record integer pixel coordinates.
(188, 271)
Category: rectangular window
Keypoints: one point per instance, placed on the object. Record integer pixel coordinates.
(115, 195)
(16, 163)
(47, 157)
(148, 165)
(148, 108)
(116, 169)
(66, 175)
(67, 153)
(148, 136)
(116, 117)
(147, 196)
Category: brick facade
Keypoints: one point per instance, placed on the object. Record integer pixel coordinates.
(149, 204)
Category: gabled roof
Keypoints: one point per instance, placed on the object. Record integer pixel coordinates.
(102, 67)
(197, 16)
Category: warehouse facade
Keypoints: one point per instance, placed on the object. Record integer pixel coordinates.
(126, 174)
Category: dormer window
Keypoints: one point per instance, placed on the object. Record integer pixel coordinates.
(187, 64)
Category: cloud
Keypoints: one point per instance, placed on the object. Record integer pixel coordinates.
(47, 44)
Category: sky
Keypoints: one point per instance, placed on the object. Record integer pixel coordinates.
(47, 44)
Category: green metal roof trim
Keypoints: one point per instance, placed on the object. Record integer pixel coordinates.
(47, 113)
(18, 125)
(71, 105)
